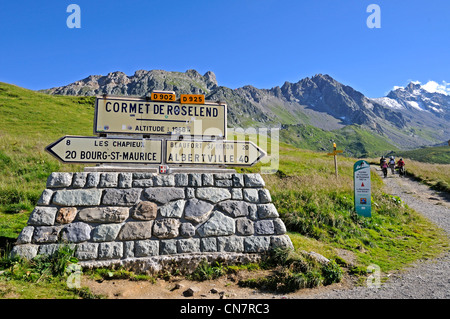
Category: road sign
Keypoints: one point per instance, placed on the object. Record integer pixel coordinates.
(86, 149)
(336, 152)
(362, 190)
(140, 116)
(168, 96)
(231, 153)
(192, 99)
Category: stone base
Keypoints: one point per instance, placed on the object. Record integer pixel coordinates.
(153, 220)
(182, 263)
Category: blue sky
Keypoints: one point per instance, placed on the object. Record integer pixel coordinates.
(259, 42)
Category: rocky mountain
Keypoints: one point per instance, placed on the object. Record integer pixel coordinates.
(407, 117)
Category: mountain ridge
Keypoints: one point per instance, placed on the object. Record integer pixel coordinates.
(407, 117)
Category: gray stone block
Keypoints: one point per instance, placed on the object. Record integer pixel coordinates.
(234, 208)
(236, 193)
(103, 214)
(190, 245)
(46, 234)
(264, 227)
(208, 244)
(46, 197)
(251, 195)
(78, 197)
(164, 195)
(79, 179)
(222, 176)
(111, 250)
(187, 230)
(168, 247)
(27, 251)
(92, 179)
(264, 196)
(166, 228)
(253, 180)
(163, 180)
(195, 179)
(136, 230)
(217, 225)
(25, 235)
(42, 216)
(105, 232)
(280, 227)
(267, 211)
(238, 180)
(59, 180)
(282, 241)
(143, 175)
(256, 244)
(122, 197)
(125, 180)
(108, 180)
(173, 209)
(143, 183)
(244, 226)
(146, 248)
(128, 249)
(86, 251)
(181, 179)
(190, 192)
(197, 211)
(76, 232)
(213, 194)
(207, 179)
(230, 244)
(223, 183)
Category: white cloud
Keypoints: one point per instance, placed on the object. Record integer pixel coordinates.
(434, 87)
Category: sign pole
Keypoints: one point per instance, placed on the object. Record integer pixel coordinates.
(335, 153)
(335, 160)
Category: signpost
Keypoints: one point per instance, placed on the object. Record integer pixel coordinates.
(335, 152)
(168, 122)
(85, 149)
(362, 190)
(140, 116)
(233, 153)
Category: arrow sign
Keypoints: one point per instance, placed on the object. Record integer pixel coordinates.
(232, 153)
(86, 149)
(335, 152)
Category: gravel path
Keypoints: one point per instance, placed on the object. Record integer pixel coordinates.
(428, 279)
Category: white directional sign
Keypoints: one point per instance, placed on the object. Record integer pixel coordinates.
(85, 149)
(232, 153)
(126, 115)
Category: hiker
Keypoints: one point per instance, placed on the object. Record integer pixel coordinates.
(382, 160)
(384, 168)
(392, 164)
(401, 167)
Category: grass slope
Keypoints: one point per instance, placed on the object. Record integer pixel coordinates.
(29, 121)
(353, 140)
(435, 154)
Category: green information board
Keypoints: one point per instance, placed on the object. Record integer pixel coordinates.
(362, 191)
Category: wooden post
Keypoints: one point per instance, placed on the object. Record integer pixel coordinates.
(335, 160)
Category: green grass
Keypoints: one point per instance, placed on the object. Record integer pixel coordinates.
(352, 139)
(29, 121)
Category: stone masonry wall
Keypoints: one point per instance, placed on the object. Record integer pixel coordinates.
(150, 220)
